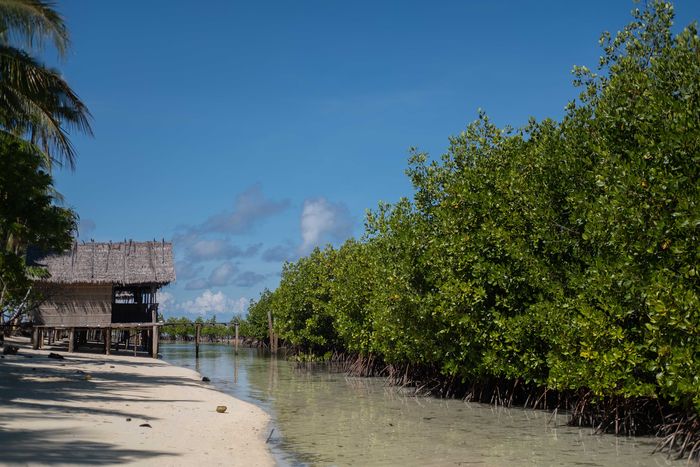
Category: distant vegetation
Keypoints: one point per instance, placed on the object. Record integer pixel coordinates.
(554, 262)
(183, 329)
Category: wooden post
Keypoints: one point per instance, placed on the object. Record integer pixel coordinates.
(71, 340)
(35, 338)
(197, 330)
(108, 341)
(133, 333)
(236, 337)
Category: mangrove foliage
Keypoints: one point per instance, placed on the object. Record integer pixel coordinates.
(562, 256)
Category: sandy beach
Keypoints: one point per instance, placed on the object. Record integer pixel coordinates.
(106, 410)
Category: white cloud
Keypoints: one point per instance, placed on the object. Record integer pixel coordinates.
(248, 279)
(278, 254)
(196, 284)
(186, 270)
(226, 273)
(166, 301)
(321, 220)
(249, 208)
(207, 249)
(240, 304)
(212, 302)
(222, 274)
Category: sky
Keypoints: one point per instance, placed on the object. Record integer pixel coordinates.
(250, 133)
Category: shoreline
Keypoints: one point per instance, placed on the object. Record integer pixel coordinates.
(107, 410)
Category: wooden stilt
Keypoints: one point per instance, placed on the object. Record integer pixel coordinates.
(154, 332)
(133, 333)
(108, 341)
(236, 337)
(154, 342)
(35, 338)
(197, 330)
(71, 340)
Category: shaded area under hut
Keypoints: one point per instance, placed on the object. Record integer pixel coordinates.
(102, 292)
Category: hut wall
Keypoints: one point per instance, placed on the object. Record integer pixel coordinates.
(75, 305)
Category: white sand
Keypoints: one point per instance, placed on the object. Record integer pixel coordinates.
(77, 411)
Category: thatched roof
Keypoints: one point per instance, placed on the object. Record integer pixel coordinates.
(125, 263)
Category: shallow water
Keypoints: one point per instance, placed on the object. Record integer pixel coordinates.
(324, 418)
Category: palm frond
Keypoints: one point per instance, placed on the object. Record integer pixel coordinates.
(36, 102)
(31, 22)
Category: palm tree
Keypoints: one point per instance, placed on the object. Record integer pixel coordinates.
(36, 103)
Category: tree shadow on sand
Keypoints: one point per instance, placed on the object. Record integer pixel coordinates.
(64, 385)
(60, 447)
(39, 388)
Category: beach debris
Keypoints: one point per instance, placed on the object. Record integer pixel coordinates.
(56, 356)
(80, 372)
(146, 425)
(111, 366)
(205, 379)
(10, 350)
(128, 419)
(221, 408)
(87, 377)
(269, 436)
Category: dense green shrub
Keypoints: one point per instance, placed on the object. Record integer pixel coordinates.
(563, 254)
(255, 325)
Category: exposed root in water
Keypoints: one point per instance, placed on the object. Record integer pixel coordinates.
(680, 434)
(678, 431)
(618, 415)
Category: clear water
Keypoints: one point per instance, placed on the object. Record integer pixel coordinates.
(325, 418)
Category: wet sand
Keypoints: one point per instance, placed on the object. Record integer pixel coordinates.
(106, 410)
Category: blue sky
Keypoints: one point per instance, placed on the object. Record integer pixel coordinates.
(248, 133)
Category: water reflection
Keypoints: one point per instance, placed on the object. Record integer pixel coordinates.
(325, 418)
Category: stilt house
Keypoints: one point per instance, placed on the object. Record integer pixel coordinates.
(103, 286)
